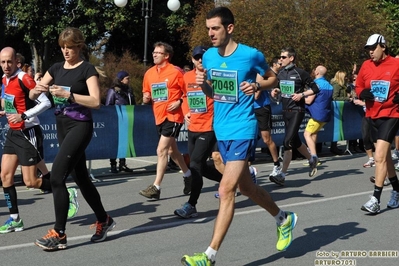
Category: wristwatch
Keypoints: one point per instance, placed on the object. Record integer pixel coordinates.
(71, 98)
(23, 116)
(257, 86)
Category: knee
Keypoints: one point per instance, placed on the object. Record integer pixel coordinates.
(6, 179)
(287, 145)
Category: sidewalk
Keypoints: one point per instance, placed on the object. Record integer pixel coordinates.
(99, 169)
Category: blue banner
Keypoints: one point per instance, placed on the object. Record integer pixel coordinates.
(130, 131)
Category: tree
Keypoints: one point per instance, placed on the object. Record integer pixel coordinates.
(329, 32)
(389, 9)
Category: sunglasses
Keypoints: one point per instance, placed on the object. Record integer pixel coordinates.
(198, 57)
(283, 57)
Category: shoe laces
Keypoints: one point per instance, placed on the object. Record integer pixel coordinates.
(51, 234)
(99, 227)
(9, 221)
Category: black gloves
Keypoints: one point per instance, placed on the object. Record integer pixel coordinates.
(366, 94)
(396, 98)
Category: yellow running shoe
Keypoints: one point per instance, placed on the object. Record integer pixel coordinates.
(197, 259)
(284, 231)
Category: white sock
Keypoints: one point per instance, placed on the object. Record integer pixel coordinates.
(187, 174)
(15, 216)
(158, 187)
(280, 217)
(211, 253)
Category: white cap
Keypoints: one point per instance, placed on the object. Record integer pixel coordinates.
(375, 39)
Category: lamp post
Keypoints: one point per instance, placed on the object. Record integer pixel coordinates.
(146, 12)
(146, 6)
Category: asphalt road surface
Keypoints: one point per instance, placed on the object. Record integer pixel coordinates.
(331, 229)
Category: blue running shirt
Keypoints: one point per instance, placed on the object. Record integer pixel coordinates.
(234, 117)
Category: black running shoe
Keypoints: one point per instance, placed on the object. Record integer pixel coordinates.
(52, 241)
(102, 229)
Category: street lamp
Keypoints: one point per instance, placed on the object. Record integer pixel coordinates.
(146, 12)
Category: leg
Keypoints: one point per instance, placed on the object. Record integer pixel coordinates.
(227, 189)
(162, 153)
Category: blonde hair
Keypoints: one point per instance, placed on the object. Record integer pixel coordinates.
(339, 78)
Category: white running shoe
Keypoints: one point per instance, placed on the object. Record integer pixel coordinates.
(394, 201)
(276, 171)
(370, 163)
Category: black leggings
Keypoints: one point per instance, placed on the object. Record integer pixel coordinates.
(73, 137)
(292, 120)
(200, 146)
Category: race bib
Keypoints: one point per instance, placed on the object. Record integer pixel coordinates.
(9, 104)
(59, 102)
(197, 102)
(159, 92)
(380, 89)
(287, 88)
(225, 85)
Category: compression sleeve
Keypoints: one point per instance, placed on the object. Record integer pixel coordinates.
(42, 104)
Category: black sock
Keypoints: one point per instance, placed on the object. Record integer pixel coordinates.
(277, 163)
(60, 233)
(46, 176)
(10, 194)
(394, 183)
(377, 193)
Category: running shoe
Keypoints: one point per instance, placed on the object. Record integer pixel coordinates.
(370, 163)
(52, 241)
(253, 171)
(313, 166)
(397, 166)
(386, 181)
(186, 211)
(73, 202)
(276, 171)
(102, 229)
(196, 260)
(371, 206)
(395, 155)
(151, 192)
(187, 184)
(284, 231)
(12, 226)
(393, 203)
(278, 179)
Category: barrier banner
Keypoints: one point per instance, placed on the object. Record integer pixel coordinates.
(124, 131)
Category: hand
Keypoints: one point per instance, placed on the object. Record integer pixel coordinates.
(247, 88)
(366, 94)
(396, 98)
(200, 75)
(187, 118)
(173, 106)
(275, 92)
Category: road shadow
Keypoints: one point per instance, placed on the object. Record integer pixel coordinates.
(315, 239)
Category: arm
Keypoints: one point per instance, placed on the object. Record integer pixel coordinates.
(310, 99)
(90, 101)
(42, 104)
(110, 99)
(337, 93)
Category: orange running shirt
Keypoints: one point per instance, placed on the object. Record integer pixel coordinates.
(165, 85)
(198, 104)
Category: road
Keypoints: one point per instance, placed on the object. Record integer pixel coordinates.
(148, 233)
